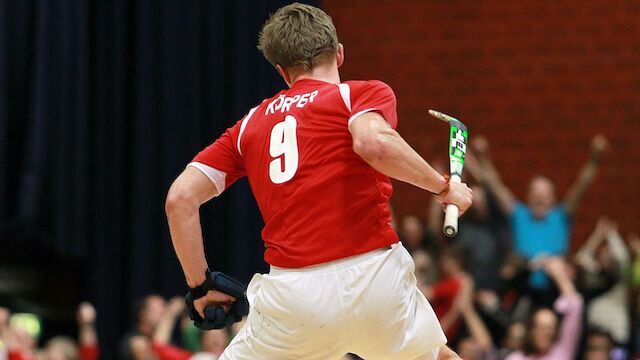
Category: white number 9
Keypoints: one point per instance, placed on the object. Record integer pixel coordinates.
(284, 148)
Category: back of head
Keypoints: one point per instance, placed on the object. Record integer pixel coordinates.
(298, 37)
(61, 348)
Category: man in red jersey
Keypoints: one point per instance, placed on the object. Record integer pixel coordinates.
(317, 156)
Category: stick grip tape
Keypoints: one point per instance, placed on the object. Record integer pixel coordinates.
(450, 227)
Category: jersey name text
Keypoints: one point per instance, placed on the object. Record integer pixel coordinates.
(283, 103)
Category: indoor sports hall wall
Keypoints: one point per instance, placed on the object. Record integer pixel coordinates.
(538, 79)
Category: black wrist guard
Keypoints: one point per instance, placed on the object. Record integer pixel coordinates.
(216, 317)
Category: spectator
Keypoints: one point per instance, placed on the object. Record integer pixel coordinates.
(22, 339)
(414, 234)
(607, 262)
(148, 312)
(60, 348)
(161, 339)
(87, 335)
(547, 338)
(483, 234)
(22, 344)
(425, 269)
(596, 272)
(214, 342)
(542, 227)
(634, 243)
(141, 348)
(514, 339)
(511, 305)
(599, 345)
(483, 230)
(5, 314)
(445, 295)
(478, 345)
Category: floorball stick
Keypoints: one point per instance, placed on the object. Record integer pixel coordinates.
(458, 138)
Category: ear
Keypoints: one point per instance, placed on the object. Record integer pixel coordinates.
(340, 55)
(284, 73)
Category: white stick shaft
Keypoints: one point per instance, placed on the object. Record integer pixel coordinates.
(450, 227)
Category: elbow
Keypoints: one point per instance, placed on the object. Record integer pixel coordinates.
(179, 201)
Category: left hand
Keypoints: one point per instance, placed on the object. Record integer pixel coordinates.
(213, 298)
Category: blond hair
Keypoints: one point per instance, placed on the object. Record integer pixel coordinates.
(298, 36)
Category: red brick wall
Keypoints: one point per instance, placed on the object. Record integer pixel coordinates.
(538, 79)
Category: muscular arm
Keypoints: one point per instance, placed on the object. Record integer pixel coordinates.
(386, 151)
(190, 190)
(187, 193)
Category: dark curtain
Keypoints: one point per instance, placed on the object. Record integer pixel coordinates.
(102, 104)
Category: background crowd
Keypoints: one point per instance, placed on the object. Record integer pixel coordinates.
(506, 287)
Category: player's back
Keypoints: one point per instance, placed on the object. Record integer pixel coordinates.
(320, 201)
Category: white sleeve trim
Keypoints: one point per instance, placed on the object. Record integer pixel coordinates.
(245, 121)
(345, 92)
(358, 114)
(216, 176)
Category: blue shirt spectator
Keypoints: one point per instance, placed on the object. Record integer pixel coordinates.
(542, 225)
(533, 237)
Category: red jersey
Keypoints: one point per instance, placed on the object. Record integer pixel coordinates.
(319, 200)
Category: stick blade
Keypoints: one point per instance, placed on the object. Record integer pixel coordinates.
(438, 115)
(448, 119)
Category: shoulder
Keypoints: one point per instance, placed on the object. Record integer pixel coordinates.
(361, 85)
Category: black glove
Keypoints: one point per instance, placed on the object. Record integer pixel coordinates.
(217, 318)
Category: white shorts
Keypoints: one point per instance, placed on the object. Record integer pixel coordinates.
(367, 304)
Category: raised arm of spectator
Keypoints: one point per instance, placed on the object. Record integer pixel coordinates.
(586, 255)
(87, 334)
(570, 304)
(598, 146)
(618, 248)
(472, 165)
(476, 326)
(490, 176)
(164, 329)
